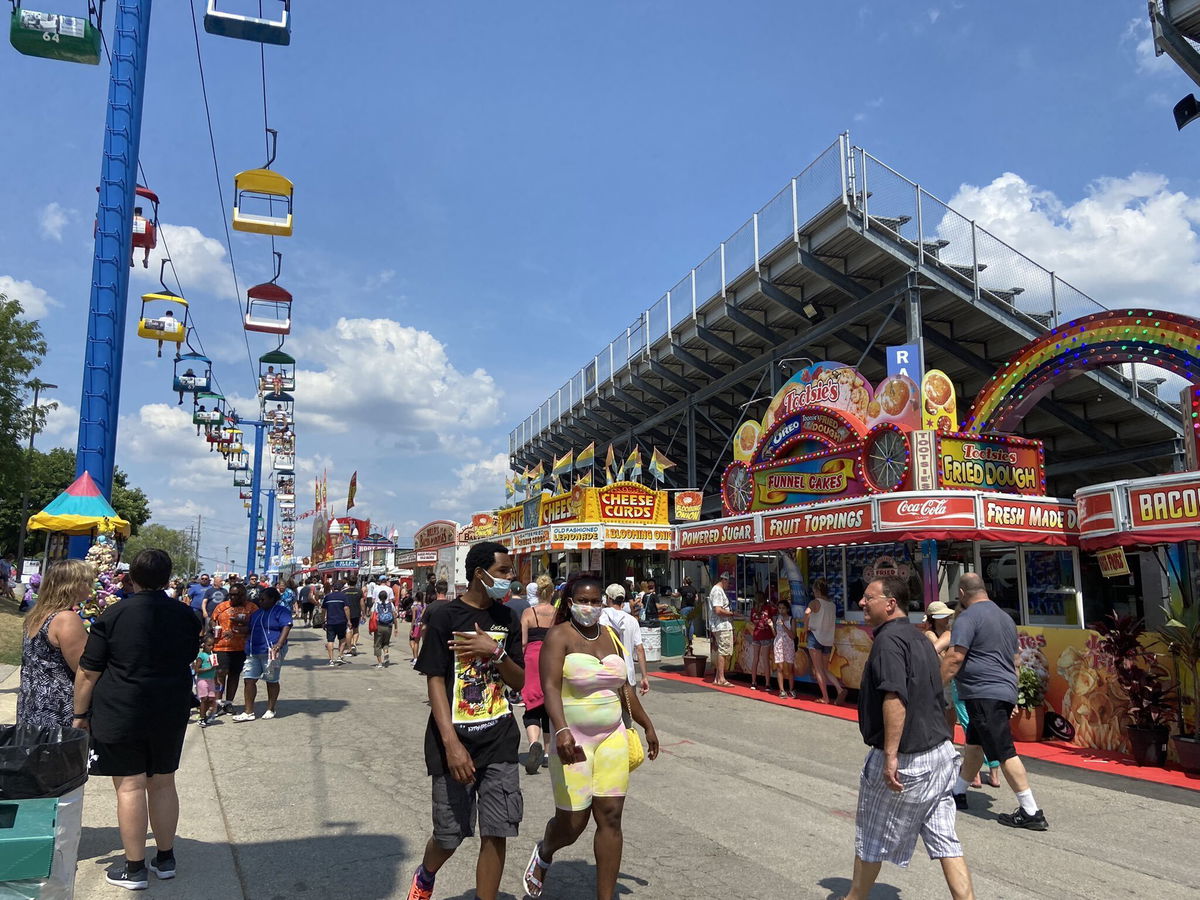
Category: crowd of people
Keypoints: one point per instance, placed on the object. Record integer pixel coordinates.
(571, 654)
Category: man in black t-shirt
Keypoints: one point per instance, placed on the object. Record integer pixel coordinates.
(471, 651)
(354, 596)
(906, 785)
(337, 617)
(133, 691)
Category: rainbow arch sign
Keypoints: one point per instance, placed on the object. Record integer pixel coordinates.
(1168, 340)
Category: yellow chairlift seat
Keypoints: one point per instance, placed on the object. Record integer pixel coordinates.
(262, 184)
(165, 327)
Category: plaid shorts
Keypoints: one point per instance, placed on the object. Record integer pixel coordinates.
(888, 823)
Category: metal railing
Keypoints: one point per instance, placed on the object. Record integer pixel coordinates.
(983, 266)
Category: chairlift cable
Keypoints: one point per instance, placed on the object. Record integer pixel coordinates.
(212, 141)
(193, 331)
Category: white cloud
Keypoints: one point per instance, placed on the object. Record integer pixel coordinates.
(52, 220)
(1140, 39)
(480, 486)
(1129, 241)
(398, 378)
(934, 15)
(61, 422)
(163, 432)
(201, 262)
(35, 301)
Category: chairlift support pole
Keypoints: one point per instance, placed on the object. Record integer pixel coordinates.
(269, 532)
(255, 489)
(103, 354)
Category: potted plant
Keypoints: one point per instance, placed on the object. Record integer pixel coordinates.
(1029, 718)
(1149, 707)
(1181, 635)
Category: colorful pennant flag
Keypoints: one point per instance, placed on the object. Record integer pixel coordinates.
(584, 480)
(562, 465)
(610, 465)
(633, 465)
(354, 490)
(587, 457)
(659, 464)
(519, 480)
(509, 490)
(536, 474)
(316, 494)
(325, 490)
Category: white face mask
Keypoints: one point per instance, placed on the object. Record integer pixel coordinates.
(499, 586)
(585, 615)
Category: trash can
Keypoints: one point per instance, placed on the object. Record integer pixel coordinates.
(674, 640)
(652, 641)
(42, 772)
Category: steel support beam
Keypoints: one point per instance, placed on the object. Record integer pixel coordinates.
(751, 324)
(647, 388)
(705, 368)
(1116, 457)
(717, 342)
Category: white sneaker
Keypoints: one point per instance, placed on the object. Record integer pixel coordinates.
(269, 714)
(332, 664)
(244, 717)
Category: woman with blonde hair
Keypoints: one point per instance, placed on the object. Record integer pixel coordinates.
(53, 642)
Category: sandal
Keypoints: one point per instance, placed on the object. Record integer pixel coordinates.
(533, 885)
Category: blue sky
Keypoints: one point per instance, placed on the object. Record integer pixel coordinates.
(486, 192)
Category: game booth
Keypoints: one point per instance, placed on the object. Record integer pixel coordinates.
(848, 482)
(620, 530)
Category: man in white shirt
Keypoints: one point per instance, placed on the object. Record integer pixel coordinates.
(629, 630)
(378, 587)
(720, 628)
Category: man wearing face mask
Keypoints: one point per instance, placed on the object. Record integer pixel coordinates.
(471, 651)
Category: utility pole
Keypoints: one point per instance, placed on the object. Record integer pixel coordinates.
(199, 519)
(104, 351)
(33, 429)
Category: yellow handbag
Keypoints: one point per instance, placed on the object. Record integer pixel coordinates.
(637, 753)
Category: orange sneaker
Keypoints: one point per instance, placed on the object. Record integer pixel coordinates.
(417, 891)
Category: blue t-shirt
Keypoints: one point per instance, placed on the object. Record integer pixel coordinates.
(989, 636)
(337, 609)
(195, 593)
(266, 626)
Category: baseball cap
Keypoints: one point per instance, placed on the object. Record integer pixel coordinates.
(615, 592)
(938, 610)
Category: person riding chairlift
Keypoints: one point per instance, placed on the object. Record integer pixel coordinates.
(187, 374)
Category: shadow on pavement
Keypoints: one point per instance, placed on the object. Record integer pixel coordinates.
(367, 866)
(306, 707)
(838, 887)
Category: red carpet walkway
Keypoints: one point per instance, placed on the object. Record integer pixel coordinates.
(1048, 751)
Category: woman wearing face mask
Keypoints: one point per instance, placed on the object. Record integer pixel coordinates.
(583, 677)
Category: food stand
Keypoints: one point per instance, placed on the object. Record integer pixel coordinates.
(847, 481)
(620, 530)
(438, 550)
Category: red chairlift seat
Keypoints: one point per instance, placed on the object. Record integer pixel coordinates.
(268, 309)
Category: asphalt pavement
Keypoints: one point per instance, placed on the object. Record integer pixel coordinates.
(747, 800)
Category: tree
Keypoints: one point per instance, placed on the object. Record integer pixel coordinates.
(178, 544)
(21, 352)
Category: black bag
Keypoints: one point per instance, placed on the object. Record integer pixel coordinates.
(41, 761)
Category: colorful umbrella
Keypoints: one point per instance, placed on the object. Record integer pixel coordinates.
(80, 509)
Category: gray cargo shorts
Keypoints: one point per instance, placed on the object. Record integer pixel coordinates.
(495, 794)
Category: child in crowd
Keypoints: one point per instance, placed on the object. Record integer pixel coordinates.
(206, 682)
(416, 613)
(783, 650)
(762, 633)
